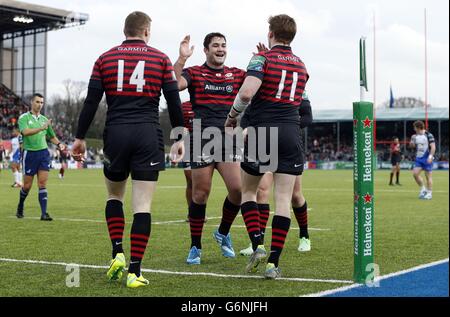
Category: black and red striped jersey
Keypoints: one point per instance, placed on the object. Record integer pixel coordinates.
(284, 77)
(188, 114)
(212, 92)
(395, 148)
(132, 76)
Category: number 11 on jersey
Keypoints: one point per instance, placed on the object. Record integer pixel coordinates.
(293, 86)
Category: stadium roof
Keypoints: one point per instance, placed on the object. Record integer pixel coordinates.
(382, 114)
(17, 17)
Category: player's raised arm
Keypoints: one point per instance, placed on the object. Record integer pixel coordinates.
(250, 86)
(185, 52)
(248, 89)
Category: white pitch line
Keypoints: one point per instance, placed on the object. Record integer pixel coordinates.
(305, 189)
(64, 219)
(291, 279)
(269, 227)
(103, 186)
(380, 278)
(103, 221)
(170, 222)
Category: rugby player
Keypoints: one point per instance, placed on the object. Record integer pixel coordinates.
(425, 145)
(274, 85)
(132, 76)
(16, 157)
(212, 88)
(299, 204)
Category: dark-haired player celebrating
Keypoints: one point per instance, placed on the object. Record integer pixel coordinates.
(132, 76)
(274, 85)
(396, 158)
(212, 89)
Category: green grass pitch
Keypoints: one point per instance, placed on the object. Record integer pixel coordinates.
(408, 232)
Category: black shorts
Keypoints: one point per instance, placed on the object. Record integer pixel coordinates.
(289, 158)
(185, 165)
(396, 158)
(226, 149)
(135, 148)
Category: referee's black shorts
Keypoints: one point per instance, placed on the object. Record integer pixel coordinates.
(289, 158)
(133, 148)
(396, 158)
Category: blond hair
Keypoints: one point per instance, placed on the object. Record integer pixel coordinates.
(135, 23)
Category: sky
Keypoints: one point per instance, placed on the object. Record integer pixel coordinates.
(327, 41)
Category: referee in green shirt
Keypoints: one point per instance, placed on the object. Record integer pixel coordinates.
(35, 129)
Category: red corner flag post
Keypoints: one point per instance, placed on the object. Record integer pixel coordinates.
(363, 180)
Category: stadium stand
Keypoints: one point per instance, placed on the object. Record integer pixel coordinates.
(11, 106)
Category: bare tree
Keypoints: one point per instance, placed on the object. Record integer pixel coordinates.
(406, 102)
(65, 110)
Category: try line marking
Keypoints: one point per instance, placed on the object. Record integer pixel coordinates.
(305, 189)
(170, 222)
(292, 279)
(380, 278)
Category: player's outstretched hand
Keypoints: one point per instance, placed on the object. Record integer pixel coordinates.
(261, 47)
(78, 150)
(185, 51)
(177, 151)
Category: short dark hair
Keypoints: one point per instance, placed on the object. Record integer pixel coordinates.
(283, 27)
(419, 125)
(36, 95)
(135, 23)
(210, 36)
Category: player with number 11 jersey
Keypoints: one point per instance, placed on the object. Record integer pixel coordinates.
(276, 104)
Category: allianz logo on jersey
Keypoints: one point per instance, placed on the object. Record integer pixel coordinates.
(218, 88)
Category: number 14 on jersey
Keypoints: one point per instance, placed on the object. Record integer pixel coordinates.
(136, 78)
